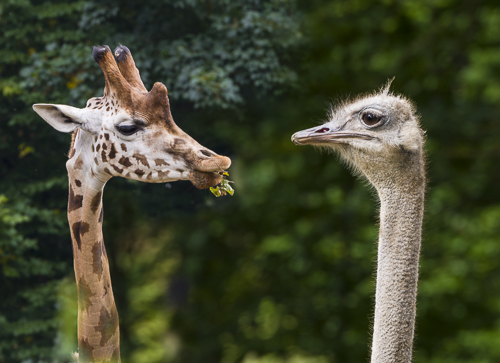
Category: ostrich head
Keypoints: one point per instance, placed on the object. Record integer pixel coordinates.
(378, 135)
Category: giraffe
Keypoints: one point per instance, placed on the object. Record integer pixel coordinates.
(128, 132)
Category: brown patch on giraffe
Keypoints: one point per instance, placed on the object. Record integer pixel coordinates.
(180, 170)
(142, 159)
(139, 172)
(115, 357)
(84, 294)
(75, 201)
(103, 156)
(79, 163)
(79, 229)
(125, 161)
(108, 324)
(98, 147)
(78, 183)
(163, 174)
(85, 350)
(95, 202)
(160, 162)
(104, 146)
(92, 147)
(106, 170)
(124, 147)
(97, 259)
(112, 152)
(72, 149)
(96, 161)
(117, 169)
(100, 136)
(149, 176)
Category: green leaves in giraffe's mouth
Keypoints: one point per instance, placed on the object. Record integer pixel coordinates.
(223, 187)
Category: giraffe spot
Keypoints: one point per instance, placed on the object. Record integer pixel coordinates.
(103, 156)
(106, 170)
(75, 201)
(100, 136)
(139, 172)
(98, 147)
(117, 169)
(78, 183)
(96, 161)
(108, 324)
(95, 202)
(142, 159)
(92, 147)
(85, 350)
(100, 221)
(149, 176)
(84, 294)
(125, 161)
(180, 170)
(112, 152)
(97, 259)
(107, 109)
(163, 174)
(160, 162)
(79, 163)
(124, 147)
(104, 146)
(79, 229)
(176, 157)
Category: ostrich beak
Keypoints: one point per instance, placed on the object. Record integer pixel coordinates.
(321, 135)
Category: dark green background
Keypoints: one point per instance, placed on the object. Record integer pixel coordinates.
(283, 272)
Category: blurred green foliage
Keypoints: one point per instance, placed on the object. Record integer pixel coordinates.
(283, 271)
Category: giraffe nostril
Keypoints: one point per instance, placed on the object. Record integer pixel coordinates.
(207, 153)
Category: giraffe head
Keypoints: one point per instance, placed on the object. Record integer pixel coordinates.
(130, 132)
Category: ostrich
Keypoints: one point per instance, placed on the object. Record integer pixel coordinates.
(379, 136)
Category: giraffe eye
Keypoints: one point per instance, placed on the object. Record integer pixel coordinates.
(371, 118)
(127, 129)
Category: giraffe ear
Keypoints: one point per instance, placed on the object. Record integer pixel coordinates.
(67, 118)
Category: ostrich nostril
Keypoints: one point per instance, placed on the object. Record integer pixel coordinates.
(207, 153)
(322, 130)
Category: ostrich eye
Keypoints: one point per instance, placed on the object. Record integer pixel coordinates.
(371, 118)
(127, 129)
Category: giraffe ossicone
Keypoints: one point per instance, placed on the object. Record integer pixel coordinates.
(128, 132)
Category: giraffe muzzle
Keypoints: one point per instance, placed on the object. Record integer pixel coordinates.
(206, 173)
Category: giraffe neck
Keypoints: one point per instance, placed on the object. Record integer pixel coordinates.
(98, 328)
(401, 214)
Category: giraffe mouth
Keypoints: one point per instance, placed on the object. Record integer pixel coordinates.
(204, 180)
(207, 173)
(323, 135)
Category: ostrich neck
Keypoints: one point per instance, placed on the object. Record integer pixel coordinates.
(98, 328)
(401, 213)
